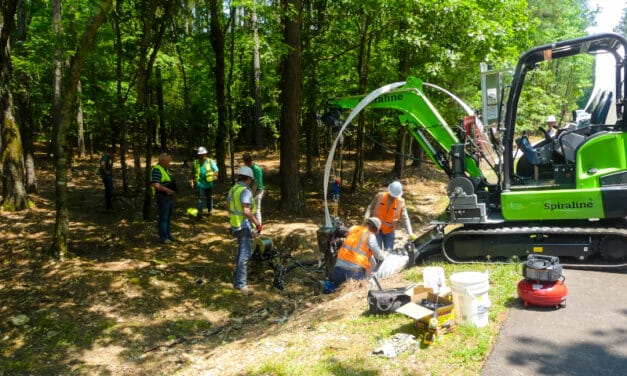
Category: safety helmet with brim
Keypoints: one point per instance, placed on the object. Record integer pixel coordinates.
(376, 222)
(395, 189)
(245, 171)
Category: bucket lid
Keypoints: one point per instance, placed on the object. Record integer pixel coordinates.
(466, 278)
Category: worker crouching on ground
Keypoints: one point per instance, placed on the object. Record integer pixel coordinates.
(353, 258)
(389, 207)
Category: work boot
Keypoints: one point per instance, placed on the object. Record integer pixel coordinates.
(245, 290)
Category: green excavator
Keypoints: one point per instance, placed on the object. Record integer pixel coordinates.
(509, 197)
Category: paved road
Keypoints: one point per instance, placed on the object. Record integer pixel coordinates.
(587, 338)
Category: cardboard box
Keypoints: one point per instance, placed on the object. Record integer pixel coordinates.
(422, 315)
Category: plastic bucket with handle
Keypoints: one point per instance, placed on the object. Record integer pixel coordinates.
(470, 297)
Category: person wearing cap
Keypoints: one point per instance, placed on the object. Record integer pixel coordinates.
(204, 173)
(551, 123)
(257, 184)
(164, 187)
(353, 258)
(242, 220)
(390, 208)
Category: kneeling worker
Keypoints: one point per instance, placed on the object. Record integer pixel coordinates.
(353, 258)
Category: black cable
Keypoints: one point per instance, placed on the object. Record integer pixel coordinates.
(394, 152)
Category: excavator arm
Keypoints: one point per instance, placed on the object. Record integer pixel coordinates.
(424, 122)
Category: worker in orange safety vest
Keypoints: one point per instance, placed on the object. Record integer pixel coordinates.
(354, 257)
(390, 208)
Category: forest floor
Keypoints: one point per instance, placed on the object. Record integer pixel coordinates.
(123, 304)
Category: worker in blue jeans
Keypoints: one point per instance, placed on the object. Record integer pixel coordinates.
(242, 220)
(204, 173)
(356, 254)
(164, 187)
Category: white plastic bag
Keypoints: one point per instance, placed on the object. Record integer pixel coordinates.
(392, 264)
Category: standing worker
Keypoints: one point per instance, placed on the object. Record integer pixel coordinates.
(106, 173)
(242, 219)
(204, 173)
(164, 187)
(390, 208)
(353, 258)
(257, 184)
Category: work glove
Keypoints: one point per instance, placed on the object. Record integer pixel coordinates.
(412, 237)
(259, 228)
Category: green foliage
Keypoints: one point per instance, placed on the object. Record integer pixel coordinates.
(441, 42)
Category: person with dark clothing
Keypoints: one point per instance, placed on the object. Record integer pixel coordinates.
(164, 187)
(106, 173)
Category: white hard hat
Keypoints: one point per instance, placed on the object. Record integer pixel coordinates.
(202, 150)
(246, 171)
(396, 189)
(550, 119)
(376, 222)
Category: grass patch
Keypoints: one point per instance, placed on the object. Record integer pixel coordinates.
(345, 346)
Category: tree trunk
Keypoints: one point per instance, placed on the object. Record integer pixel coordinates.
(229, 98)
(13, 191)
(418, 153)
(57, 75)
(362, 71)
(256, 83)
(60, 237)
(156, 19)
(123, 125)
(313, 21)
(403, 72)
(186, 101)
(399, 156)
(163, 133)
(217, 42)
(291, 81)
(80, 123)
(24, 108)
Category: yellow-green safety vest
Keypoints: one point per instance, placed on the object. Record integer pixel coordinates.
(236, 209)
(165, 177)
(208, 170)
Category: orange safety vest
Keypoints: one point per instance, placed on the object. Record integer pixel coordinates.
(355, 249)
(389, 215)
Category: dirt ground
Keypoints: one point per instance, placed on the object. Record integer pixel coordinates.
(124, 304)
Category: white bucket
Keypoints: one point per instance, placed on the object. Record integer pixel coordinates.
(470, 297)
(433, 277)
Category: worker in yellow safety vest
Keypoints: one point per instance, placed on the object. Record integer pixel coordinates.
(354, 257)
(242, 220)
(390, 208)
(204, 173)
(164, 188)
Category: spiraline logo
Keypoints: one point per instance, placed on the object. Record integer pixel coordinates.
(389, 98)
(551, 206)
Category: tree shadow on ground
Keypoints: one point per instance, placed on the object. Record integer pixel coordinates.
(122, 304)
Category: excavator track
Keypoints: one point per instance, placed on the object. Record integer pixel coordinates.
(595, 247)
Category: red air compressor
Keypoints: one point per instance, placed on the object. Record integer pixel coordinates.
(543, 284)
